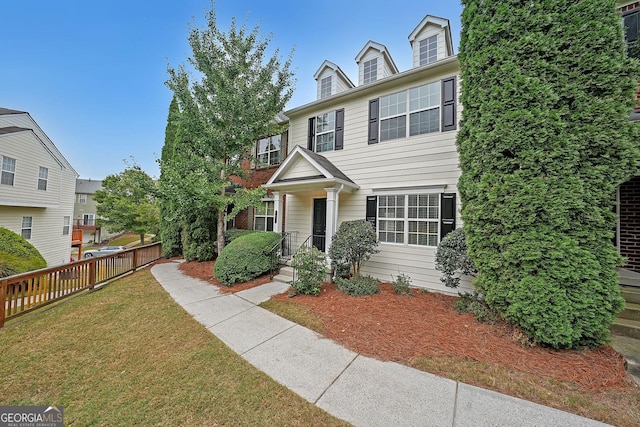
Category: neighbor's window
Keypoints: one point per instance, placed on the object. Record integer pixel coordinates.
(27, 225)
(325, 87)
(370, 71)
(88, 219)
(66, 225)
(8, 170)
(264, 216)
(268, 150)
(429, 50)
(43, 176)
(82, 198)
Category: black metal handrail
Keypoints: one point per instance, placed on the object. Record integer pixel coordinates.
(282, 250)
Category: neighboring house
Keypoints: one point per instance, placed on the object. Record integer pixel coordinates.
(85, 210)
(36, 187)
(383, 150)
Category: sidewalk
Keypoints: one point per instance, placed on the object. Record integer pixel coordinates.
(358, 389)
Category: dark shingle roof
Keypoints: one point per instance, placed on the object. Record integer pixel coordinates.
(4, 111)
(88, 186)
(330, 167)
(11, 129)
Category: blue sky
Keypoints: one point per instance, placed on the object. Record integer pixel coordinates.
(92, 74)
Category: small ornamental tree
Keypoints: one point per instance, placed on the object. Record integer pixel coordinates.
(352, 245)
(453, 260)
(547, 91)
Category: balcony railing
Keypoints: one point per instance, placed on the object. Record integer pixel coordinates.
(85, 224)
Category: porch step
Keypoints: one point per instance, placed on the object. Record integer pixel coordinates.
(631, 311)
(631, 294)
(630, 349)
(626, 328)
(285, 276)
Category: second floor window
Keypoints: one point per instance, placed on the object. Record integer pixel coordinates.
(325, 87)
(631, 23)
(82, 198)
(8, 170)
(43, 177)
(370, 71)
(326, 131)
(429, 50)
(268, 150)
(27, 225)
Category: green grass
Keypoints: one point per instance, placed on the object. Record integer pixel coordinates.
(129, 355)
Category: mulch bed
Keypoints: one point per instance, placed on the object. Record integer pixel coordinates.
(387, 326)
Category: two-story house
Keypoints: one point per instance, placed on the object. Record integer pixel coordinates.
(383, 150)
(85, 210)
(37, 186)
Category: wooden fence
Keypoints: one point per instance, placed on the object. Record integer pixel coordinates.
(22, 293)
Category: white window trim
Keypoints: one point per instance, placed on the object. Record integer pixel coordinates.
(326, 86)
(82, 198)
(331, 130)
(265, 215)
(269, 153)
(370, 75)
(43, 176)
(427, 59)
(29, 227)
(8, 171)
(66, 225)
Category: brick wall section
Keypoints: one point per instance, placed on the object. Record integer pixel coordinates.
(630, 223)
(256, 178)
(630, 6)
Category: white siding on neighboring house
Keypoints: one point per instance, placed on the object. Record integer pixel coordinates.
(48, 208)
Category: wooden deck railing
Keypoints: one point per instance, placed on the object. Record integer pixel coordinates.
(22, 293)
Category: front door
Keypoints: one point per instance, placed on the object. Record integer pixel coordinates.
(319, 223)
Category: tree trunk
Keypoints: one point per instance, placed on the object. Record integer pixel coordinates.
(221, 214)
(141, 239)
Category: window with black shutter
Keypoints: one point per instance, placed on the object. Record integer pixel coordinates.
(372, 206)
(631, 23)
(312, 133)
(449, 121)
(447, 214)
(339, 138)
(374, 113)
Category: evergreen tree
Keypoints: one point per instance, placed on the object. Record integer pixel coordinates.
(234, 102)
(545, 139)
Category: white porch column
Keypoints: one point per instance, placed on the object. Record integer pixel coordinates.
(332, 214)
(277, 211)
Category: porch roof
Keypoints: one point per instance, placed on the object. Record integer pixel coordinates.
(305, 170)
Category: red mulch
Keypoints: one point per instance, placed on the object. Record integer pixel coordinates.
(400, 328)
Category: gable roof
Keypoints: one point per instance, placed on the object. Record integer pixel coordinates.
(434, 20)
(333, 67)
(12, 129)
(380, 48)
(88, 186)
(4, 111)
(328, 174)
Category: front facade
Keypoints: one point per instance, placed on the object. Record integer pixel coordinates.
(383, 150)
(37, 187)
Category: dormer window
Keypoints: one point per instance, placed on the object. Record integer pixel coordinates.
(370, 71)
(429, 50)
(325, 87)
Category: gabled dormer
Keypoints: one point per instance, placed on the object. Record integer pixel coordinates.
(331, 80)
(374, 63)
(431, 41)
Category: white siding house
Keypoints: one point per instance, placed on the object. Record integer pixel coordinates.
(37, 187)
(384, 151)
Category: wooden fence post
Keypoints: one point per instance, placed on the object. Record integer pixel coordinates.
(3, 301)
(92, 273)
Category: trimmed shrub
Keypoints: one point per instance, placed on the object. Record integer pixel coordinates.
(474, 303)
(245, 258)
(234, 233)
(358, 285)
(310, 265)
(199, 235)
(544, 140)
(353, 244)
(452, 259)
(17, 255)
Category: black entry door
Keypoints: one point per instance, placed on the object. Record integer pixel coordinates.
(319, 223)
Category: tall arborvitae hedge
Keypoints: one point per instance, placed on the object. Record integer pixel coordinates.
(547, 91)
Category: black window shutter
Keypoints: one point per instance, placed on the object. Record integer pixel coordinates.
(373, 120)
(312, 133)
(631, 26)
(449, 121)
(447, 214)
(339, 142)
(284, 145)
(372, 209)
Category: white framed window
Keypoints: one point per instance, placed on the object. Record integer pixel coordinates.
(82, 198)
(27, 226)
(8, 170)
(268, 151)
(429, 50)
(66, 225)
(264, 216)
(423, 114)
(325, 87)
(43, 177)
(89, 219)
(412, 219)
(325, 127)
(393, 119)
(370, 71)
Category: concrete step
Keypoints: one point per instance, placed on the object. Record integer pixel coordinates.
(630, 349)
(631, 311)
(626, 328)
(630, 294)
(285, 275)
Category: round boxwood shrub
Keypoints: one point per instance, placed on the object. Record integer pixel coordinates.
(17, 255)
(245, 258)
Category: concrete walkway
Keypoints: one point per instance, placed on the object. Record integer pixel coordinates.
(358, 389)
